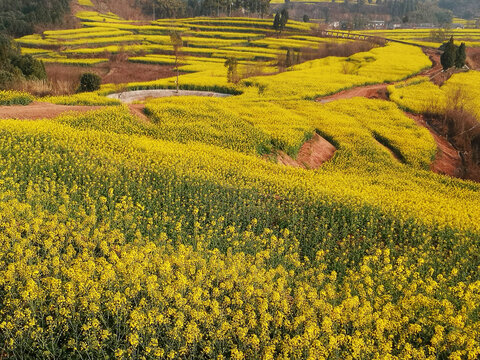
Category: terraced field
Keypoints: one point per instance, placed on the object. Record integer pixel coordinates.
(430, 37)
(180, 235)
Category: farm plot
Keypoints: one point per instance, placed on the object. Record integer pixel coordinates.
(180, 236)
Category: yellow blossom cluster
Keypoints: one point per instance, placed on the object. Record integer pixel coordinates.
(119, 243)
(10, 97)
(175, 239)
(461, 91)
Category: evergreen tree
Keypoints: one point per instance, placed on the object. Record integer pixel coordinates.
(280, 20)
(18, 17)
(461, 56)
(283, 18)
(30, 67)
(449, 54)
(276, 22)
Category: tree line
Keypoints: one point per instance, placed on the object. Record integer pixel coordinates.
(180, 8)
(19, 17)
(466, 9)
(453, 55)
(407, 11)
(14, 66)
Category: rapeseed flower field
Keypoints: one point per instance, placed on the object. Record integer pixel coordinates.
(177, 239)
(423, 96)
(15, 98)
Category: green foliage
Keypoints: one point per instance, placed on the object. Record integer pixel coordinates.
(461, 7)
(276, 22)
(231, 64)
(7, 49)
(283, 18)
(30, 67)
(419, 11)
(14, 66)
(6, 78)
(449, 54)
(461, 56)
(18, 17)
(453, 55)
(89, 82)
(280, 20)
(306, 18)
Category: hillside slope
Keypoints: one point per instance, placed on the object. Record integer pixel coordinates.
(19, 17)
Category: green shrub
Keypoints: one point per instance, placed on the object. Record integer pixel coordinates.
(89, 82)
(30, 67)
(6, 78)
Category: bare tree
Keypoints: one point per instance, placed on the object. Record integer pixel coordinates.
(231, 64)
(177, 43)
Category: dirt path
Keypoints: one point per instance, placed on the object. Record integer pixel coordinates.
(37, 111)
(140, 95)
(377, 91)
(40, 110)
(473, 58)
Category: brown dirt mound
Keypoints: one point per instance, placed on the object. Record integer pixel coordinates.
(40, 111)
(312, 154)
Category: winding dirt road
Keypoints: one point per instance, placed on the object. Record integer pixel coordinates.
(447, 160)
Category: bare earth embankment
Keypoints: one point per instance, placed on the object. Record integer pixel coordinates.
(311, 155)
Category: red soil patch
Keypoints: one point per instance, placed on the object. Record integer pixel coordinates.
(378, 91)
(138, 110)
(473, 58)
(40, 111)
(436, 73)
(312, 154)
(448, 160)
